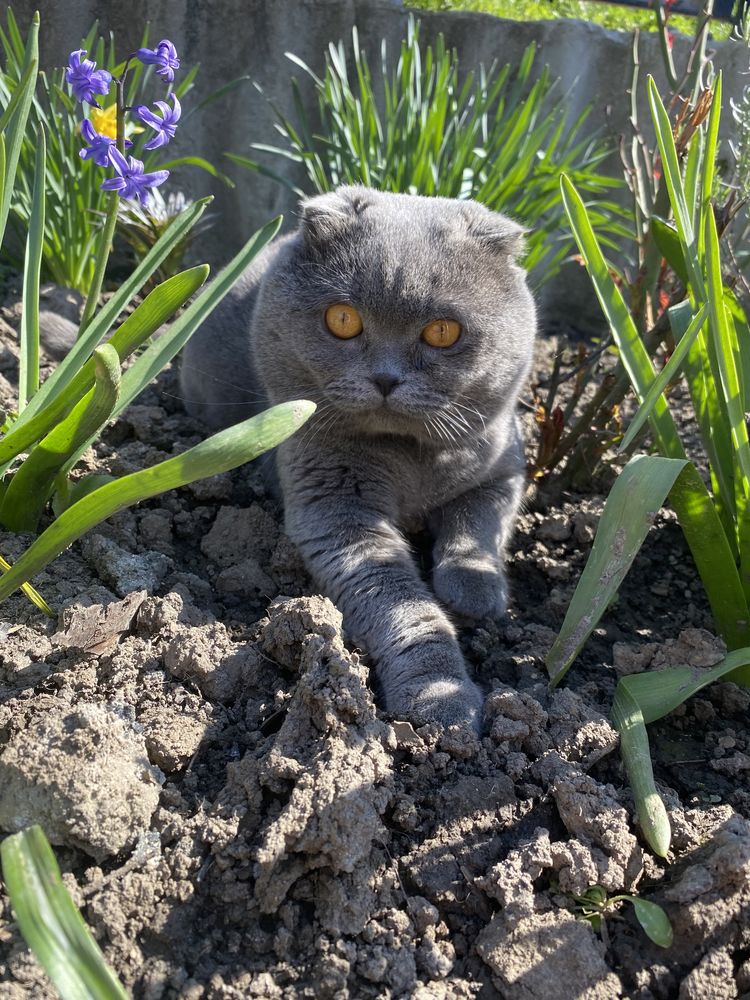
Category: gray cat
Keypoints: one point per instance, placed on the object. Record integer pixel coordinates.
(407, 321)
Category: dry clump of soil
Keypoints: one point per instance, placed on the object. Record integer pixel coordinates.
(236, 818)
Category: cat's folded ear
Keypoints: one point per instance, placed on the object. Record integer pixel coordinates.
(326, 216)
(494, 231)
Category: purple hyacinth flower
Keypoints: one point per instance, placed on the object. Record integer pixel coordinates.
(164, 56)
(131, 182)
(85, 79)
(165, 127)
(99, 146)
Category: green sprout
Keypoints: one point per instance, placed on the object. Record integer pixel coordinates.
(595, 905)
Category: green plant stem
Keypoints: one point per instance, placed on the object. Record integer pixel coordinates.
(104, 247)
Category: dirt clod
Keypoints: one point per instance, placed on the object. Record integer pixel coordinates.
(84, 776)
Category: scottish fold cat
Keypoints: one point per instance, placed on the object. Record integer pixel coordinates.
(407, 320)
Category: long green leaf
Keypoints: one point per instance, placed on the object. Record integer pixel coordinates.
(668, 243)
(31, 486)
(723, 336)
(643, 698)
(15, 131)
(18, 94)
(28, 374)
(158, 306)
(633, 354)
(639, 491)
(668, 374)
(627, 719)
(220, 453)
(197, 161)
(673, 178)
(51, 923)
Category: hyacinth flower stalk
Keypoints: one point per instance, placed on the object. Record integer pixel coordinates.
(130, 181)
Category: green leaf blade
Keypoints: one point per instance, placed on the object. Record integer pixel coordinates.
(31, 486)
(654, 921)
(632, 352)
(51, 923)
(28, 374)
(220, 453)
(158, 307)
(638, 493)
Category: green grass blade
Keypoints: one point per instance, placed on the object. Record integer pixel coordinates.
(724, 345)
(50, 922)
(668, 374)
(31, 486)
(33, 595)
(16, 130)
(640, 489)
(220, 453)
(627, 719)
(28, 374)
(158, 306)
(633, 354)
(107, 315)
(673, 178)
(201, 163)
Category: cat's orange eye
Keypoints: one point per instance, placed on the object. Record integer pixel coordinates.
(441, 333)
(343, 321)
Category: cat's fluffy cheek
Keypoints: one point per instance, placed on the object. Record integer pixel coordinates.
(473, 588)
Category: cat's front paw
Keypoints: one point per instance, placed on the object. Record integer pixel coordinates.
(448, 701)
(474, 588)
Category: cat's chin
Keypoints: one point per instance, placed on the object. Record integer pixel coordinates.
(384, 419)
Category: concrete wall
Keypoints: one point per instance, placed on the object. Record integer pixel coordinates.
(235, 37)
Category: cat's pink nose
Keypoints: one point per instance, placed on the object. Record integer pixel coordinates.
(386, 383)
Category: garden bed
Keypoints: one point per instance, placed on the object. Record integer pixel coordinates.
(236, 818)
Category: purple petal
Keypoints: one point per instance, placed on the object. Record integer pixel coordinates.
(148, 56)
(161, 139)
(113, 184)
(147, 117)
(119, 162)
(154, 179)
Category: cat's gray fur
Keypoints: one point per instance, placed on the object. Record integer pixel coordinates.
(441, 450)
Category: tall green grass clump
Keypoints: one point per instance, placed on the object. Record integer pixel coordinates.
(711, 352)
(501, 135)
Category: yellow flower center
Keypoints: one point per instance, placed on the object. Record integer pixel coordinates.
(104, 120)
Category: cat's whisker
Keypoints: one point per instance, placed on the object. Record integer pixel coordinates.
(447, 434)
(455, 415)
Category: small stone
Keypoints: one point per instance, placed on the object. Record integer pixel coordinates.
(555, 528)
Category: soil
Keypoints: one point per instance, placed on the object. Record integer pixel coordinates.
(237, 818)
